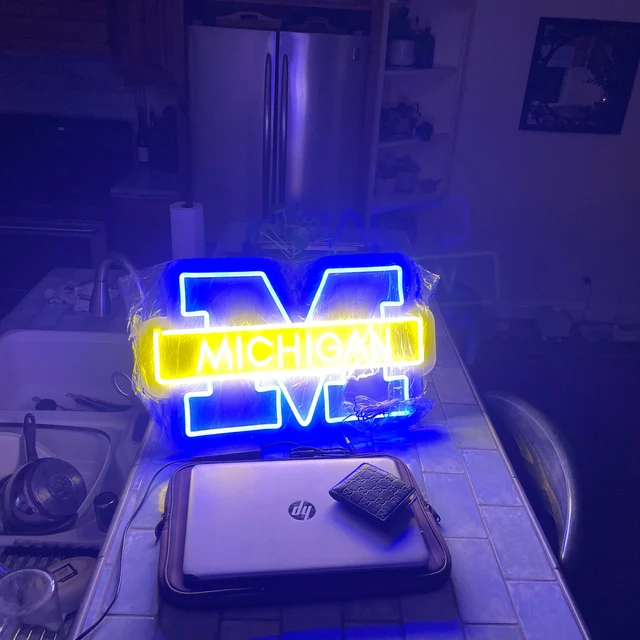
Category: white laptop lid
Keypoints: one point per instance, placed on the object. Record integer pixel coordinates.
(255, 518)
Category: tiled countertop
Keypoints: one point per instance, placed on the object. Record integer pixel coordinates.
(505, 583)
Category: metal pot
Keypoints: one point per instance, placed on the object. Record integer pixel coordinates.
(44, 494)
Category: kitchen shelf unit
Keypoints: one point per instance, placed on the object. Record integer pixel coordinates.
(436, 90)
(400, 201)
(392, 143)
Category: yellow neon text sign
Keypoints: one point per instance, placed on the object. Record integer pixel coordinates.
(183, 356)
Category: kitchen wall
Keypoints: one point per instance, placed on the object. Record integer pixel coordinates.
(554, 206)
(64, 84)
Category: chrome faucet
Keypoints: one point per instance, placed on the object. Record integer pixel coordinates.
(100, 303)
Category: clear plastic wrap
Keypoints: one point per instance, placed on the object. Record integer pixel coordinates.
(253, 344)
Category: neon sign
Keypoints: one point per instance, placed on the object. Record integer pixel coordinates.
(194, 355)
(238, 352)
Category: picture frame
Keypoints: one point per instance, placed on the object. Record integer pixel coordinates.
(581, 76)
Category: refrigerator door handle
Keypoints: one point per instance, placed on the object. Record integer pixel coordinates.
(267, 141)
(283, 133)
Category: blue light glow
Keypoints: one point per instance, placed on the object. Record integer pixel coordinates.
(209, 298)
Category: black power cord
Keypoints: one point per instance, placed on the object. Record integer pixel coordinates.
(306, 451)
(105, 613)
(297, 451)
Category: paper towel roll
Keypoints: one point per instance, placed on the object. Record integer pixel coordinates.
(187, 231)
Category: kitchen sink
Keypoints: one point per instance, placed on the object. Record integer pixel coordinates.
(90, 451)
(51, 364)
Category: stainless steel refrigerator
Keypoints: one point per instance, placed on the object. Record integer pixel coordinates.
(276, 122)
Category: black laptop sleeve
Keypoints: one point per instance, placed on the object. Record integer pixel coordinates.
(188, 592)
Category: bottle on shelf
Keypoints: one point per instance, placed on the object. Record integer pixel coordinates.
(425, 46)
(142, 139)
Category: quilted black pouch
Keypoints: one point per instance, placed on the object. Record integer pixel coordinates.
(374, 493)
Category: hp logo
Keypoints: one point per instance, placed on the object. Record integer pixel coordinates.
(302, 510)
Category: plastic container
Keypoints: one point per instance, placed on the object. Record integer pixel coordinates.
(30, 596)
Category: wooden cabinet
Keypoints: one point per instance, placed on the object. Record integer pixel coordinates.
(151, 41)
(146, 35)
(354, 5)
(61, 26)
(141, 228)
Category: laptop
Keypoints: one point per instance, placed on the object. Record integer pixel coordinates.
(252, 519)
